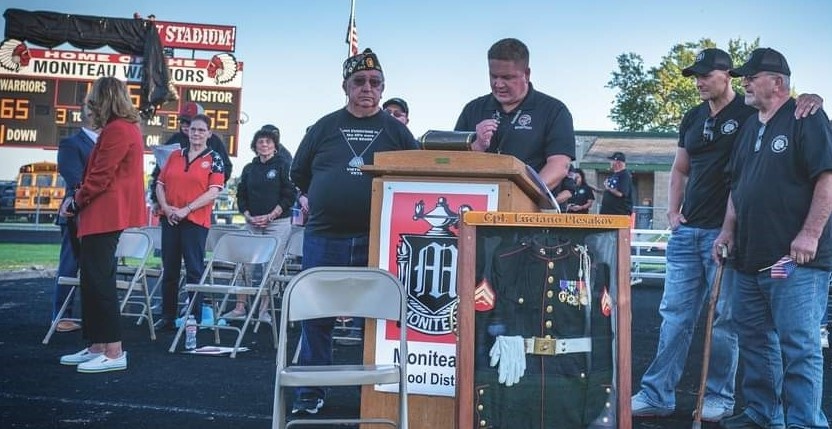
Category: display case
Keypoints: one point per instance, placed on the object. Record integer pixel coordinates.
(543, 321)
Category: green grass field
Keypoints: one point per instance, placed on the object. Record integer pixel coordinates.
(17, 256)
(20, 256)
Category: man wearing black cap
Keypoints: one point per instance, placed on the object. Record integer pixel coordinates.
(618, 188)
(398, 108)
(698, 194)
(327, 168)
(515, 119)
(777, 220)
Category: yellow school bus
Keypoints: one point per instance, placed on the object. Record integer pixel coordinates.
(40, 191)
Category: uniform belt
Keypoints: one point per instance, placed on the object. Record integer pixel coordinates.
(557, 346)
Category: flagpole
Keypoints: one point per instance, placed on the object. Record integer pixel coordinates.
(352, 24)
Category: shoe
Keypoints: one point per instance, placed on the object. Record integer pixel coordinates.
(824, 337)
(265, 317)
(104, 364)
(165, 324)
(77, 358)
(641, 408)
(353, 338)
(234, 314)
(308, 404)
(67, 326)
(740, 421)
(713, 411)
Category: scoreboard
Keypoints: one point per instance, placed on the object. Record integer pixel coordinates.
(40, 103)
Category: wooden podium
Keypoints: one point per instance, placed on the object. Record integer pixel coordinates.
(446, 177)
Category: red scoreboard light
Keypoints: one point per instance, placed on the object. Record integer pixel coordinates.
(40, 101)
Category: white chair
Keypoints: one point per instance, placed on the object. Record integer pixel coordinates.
(236, 250)
(156, 272)
(133, 249)
(341, 291)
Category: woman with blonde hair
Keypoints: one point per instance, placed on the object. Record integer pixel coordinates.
(109, 200)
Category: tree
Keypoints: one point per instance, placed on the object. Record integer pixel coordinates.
(656, 99)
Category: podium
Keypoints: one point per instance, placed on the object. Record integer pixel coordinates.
(418, 197)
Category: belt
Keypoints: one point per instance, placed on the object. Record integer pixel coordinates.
(557, 346)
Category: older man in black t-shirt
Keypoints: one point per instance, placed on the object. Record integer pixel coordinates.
(778, 217)
(327, 168)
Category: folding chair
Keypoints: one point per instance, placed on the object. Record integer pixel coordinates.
(234, 249)
(155, 233)
(337, 291)
(134, 247)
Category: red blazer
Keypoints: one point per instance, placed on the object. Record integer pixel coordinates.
(111, 197)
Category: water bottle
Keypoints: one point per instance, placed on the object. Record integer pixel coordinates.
(190, 333)
(298, 217)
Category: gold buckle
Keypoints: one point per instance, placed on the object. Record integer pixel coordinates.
(544, 346)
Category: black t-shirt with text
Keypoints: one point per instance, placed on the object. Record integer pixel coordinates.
(327, 168)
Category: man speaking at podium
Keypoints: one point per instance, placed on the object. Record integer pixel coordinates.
(517, 120)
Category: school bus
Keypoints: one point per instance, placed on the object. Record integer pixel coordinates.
(40, 191)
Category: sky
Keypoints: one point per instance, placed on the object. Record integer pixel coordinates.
(434, 52)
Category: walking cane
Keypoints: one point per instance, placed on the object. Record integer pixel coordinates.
(706, 352)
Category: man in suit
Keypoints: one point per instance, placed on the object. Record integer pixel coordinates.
(73, 153)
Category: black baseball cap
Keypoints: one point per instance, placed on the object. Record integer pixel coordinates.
(398, 102)
(708, 60)
(763, 59)
(618, 156)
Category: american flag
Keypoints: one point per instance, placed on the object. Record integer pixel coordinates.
(352, 33)
(783, 268)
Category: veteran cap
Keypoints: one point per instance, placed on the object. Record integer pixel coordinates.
(618, 156)
(366, 60)
(398, 102)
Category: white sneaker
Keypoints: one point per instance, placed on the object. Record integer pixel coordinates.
(265, 317)
(824, 337)
(104, 364)
(714, 411)
(77, 358)
(641, 408)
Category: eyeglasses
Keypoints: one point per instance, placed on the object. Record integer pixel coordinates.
(708, 130)
(760, 138)
(361, 81)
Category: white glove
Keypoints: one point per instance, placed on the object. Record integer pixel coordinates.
(510, 354)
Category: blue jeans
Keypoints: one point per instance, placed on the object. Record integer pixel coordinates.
(777, 321)
(687, 288)
(316, 334)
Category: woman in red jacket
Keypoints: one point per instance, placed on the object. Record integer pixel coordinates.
(109, 200)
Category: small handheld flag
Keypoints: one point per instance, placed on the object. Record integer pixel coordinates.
(783, 268)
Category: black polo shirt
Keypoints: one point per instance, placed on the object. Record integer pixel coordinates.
(773, 183)
(621, 181)
(706, 192)
(541, 126)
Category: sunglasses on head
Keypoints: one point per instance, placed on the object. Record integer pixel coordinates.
(708, 130)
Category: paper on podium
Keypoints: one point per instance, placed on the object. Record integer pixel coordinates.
(162, 153)
(541, 186)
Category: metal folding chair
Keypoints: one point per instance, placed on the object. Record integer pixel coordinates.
(133, 250)
(338, 291)
(234, 249)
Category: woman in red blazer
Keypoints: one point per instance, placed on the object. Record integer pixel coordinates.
(109, 200)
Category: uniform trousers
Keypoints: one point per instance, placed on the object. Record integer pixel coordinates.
(99, 299)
